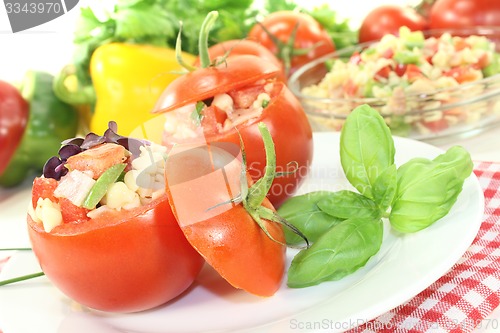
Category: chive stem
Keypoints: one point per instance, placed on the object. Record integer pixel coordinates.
(21, 278)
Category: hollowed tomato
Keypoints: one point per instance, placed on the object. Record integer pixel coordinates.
(284, 116)
(123, 261)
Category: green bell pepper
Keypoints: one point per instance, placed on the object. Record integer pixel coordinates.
(50, 122)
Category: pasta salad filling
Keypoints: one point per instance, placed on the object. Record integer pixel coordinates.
(409, 72)
(101, 174)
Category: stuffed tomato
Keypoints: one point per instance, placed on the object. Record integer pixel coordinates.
(102, 228)
(226, 101)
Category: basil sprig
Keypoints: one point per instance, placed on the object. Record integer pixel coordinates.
(346, 227)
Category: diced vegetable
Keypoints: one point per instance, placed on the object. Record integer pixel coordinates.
(102, 185)
(75, 186)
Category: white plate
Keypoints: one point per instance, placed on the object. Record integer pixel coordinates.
(404, 266)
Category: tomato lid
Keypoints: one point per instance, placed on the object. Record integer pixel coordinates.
(203, 83)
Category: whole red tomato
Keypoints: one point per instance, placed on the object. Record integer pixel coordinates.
(14, 113)
(447, 14)
(124, 261)
(387, 19)
(201, 183)
(300, 38)
(242, 78)
(237, 47)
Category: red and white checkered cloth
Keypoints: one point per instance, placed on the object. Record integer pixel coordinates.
(468, 293)
(461, 299)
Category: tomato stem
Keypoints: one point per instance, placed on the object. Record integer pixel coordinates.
(260, 189)
(286, 51)
(220, 60)
(295, 165)
(243, 175)
(254, 196)
(203, 38)
(21, 278)
(178, 51)
(268, 214)
(256, 216)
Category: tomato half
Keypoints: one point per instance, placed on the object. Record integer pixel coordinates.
(123, 261)
(237, 47)
(283, 115)
(311, 40)
(14, 113)
(201, 181)
(464, 14)
(387, 19)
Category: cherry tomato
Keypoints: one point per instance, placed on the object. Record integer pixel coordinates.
(464, 14)
(124, 261)
(201, 182)
(238, 47)
(310, 40)
(387, 19)
(14, 113)
(283, 115)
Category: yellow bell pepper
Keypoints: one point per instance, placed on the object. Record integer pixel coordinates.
(128, 80)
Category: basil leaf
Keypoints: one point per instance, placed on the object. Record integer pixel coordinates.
(302, 211)
(428, 189)
(346, 204)
(341, 251)
(384, 189)
(366, 148)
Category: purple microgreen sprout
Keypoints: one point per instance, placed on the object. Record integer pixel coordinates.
(55, 166)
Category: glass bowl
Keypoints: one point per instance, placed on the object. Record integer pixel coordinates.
(463, 110)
